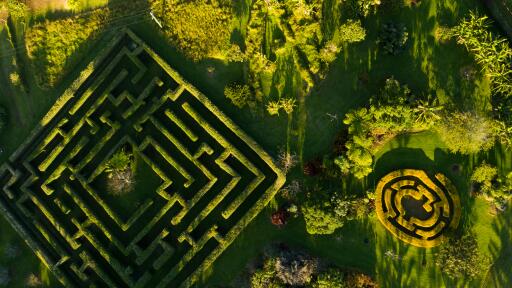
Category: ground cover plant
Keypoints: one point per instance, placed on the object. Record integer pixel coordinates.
(129, 96)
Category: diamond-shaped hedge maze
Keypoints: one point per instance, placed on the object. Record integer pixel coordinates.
(214, 179)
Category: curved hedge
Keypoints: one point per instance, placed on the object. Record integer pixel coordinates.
(441, 206)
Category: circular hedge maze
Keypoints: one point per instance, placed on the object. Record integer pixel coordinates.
(213, 178)
(416, 208)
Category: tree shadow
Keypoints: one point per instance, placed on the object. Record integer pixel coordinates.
(500, 273)
(417, 263)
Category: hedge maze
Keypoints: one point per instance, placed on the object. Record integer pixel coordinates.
(214, 178)
(435, 206)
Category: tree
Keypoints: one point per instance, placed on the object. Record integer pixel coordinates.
(466, 132)
(240, 95)
(428, 112)
(120, 174)
(266, 277)
(295, 269)
(484, 175)
(320, 217)
(287, 104)
(287, 161)
(393, 38)
(460, 257)
(350, 32)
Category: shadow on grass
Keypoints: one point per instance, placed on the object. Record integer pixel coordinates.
(500, 273)
(417, 265)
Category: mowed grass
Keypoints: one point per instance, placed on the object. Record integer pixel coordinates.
(427, 67)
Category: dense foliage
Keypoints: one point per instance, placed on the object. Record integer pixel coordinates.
(320, 217)
(54, 45)
(120, 173)
(494, 187)
(51, 43)
(199, 28)
(325, 212)
(286, 49)
(363, 8)
(240, 95)
(460, 257)
(395, 110)
(492, 52)
(393, 38)
(295, 269)
(17, 9)
(467, 133)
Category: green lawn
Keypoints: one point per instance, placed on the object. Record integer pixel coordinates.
(427, 67)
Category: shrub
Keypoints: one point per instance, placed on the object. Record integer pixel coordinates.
(460, 257)
(393, 38)
(295, 269)
(320, 217)
(266, 277)
(497, 189)
(240, 95)
(51, 43)
(492, 52)
(466, 132)
(330, 279)
(363, 8)
(120, 174)
(17, 9)
(360, 280)
(484, 175)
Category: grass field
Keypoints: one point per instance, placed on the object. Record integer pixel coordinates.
(427, 66)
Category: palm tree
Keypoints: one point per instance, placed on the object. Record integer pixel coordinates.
(428, 112)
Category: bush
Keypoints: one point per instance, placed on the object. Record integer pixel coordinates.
(240, 95)
(363, 8)
(393, 38)
(330, 279)
(460, 257)
(484, 175)
(120, 173)
(295, 269)
(266, 277)
(467, 133)
(493, 53)
(320, 217)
